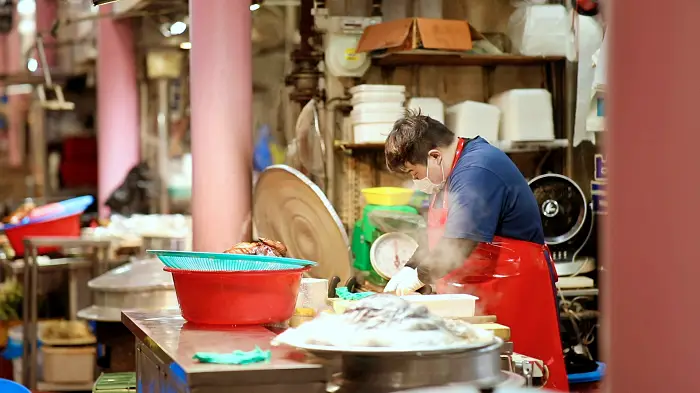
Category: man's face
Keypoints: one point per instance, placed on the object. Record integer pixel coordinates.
(417, 172)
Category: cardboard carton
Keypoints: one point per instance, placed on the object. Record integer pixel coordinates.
(418, 33)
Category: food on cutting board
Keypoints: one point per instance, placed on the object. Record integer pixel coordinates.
(263, 246)
(65, 330)
(384, 320)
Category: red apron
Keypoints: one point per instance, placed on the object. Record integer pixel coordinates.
(513, 280)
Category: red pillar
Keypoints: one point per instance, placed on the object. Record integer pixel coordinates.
(221, 121)
(653, 245)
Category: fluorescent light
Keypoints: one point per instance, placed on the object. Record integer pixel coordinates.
(186, 45)
(254, 7)
(178, 28)
(32, 65)
(26, 7)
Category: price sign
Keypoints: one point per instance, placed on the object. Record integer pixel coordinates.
(601, 170)
(7, 9)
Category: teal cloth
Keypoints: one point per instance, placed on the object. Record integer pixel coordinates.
(236, 357)
(344, 294)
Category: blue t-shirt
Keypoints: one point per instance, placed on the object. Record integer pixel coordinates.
(488, 196)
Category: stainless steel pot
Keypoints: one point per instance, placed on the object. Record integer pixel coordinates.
(509, 381)
(385, 373)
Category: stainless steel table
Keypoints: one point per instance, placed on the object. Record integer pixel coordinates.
(165, 345)
(98, 263)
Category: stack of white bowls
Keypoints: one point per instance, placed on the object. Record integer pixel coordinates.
(375, 109)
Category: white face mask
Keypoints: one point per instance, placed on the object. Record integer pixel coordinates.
(426, 185)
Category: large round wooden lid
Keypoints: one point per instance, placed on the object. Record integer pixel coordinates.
(289, 207)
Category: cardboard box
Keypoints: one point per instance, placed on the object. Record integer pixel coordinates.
(418, 33)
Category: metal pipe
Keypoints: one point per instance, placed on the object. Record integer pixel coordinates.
(163, 121)
(33, 328)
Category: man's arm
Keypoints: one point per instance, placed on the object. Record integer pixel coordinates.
(446, 256)
(475, 200)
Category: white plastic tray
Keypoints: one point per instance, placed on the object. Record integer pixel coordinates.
(377, 97)
(376, 117)
(378, 88)
(371, 132)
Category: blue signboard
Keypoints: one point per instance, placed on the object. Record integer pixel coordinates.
(599, 186)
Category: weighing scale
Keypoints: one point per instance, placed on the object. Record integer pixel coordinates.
(566, 221)
(381, 242)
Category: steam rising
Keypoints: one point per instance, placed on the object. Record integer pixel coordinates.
(486, 262)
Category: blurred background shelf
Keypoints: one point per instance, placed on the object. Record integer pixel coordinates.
(399, 59)
(509, 147)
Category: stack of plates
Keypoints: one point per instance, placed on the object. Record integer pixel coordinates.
(375, 109)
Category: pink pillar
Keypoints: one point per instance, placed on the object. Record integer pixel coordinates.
(118, 138)
(652, 244)
(221, 106)
(46, 12)
(16, 104)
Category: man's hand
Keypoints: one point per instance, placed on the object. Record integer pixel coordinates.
(404, 282)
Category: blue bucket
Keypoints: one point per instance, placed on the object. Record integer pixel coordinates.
(7, 386)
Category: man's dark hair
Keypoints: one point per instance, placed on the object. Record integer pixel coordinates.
(412, 137)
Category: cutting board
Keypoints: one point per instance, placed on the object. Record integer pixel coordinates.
(500, 331)
(446, 306)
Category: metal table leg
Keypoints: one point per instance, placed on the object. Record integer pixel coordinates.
(26, 307)
(72, 294)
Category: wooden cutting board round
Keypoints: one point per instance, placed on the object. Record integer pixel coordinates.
(289, 207)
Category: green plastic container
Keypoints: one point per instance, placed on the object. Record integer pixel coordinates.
(115, 383)
(364, 234)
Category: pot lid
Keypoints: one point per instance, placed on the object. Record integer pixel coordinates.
(137, 275)
(290, 208)
(562, 207)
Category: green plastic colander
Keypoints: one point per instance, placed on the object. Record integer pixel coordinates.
(221, 262)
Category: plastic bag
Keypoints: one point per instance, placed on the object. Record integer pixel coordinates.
(262, 156)
(540, 30)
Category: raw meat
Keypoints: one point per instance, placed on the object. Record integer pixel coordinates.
(266, 247)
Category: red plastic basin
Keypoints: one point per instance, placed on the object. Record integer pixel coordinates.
(68, 226)
(237, 298)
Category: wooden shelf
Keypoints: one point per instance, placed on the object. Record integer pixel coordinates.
(507, 146)
(438, 58)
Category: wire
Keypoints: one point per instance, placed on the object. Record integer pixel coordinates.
(588, 236)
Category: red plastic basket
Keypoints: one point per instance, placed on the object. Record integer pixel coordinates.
(237, 298)
(68, 226)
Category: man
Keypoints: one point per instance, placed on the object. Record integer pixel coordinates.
(484, 235)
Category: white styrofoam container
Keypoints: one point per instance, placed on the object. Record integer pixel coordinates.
(377, 97)
(429, 106)
(313, 293)
(69, 364)
(469, 119)
(447, 305)
(371, 132)
(526, 115)
(375, 117)
(378, 89)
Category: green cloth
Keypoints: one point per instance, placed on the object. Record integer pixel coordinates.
(236, 357)
(344, 294)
